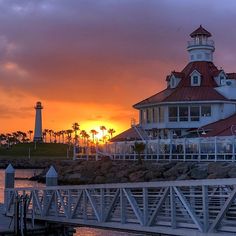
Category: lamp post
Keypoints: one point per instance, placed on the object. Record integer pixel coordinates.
(233, 129)
(201, 129)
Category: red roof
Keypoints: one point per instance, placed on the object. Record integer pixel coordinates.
(200, 31)
(178, 74)
(184, 91)
(207, 70)
(156, 98)
(231, 75)
(222, 127)
(128, 135)
(194, 94)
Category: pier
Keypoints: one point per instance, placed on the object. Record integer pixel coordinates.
(194, 207)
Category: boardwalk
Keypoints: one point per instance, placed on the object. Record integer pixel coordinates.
(196, 207)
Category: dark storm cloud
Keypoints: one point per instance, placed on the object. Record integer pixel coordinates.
(90, 50)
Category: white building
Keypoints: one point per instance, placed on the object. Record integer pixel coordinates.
(199, 99)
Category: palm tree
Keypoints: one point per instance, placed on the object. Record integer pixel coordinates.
(55, 134)
(94, 133)
(8, 139)
(103, 128)
(50, 131)
(45, 132)
(16, 137)
(87, 136)
(68, 133)
(83, 134)
(75, 127)
(24, 138)
(139, 148)
(111, 132)
(63, 135)
(30, 132)
(3, 137)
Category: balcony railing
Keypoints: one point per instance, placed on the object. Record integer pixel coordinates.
(204, 43)
(182, 149)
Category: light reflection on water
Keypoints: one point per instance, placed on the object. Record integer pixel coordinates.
(80, 231)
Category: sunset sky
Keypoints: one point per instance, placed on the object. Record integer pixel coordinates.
(89, 61)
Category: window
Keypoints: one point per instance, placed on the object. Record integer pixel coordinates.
(194, 113)
(161, 114)
(199, 56)
(148, 116)
(222, 80)
(206, 110)
(173, 114)
(144, 117)
(172, 83)
(195, 80)
(141, 117)
(207, 55)
(183, 113)
(155, 114)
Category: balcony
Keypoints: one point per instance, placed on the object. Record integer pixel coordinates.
(203, 43)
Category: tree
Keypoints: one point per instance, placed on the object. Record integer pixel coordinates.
(94, 133)
(75, 127)
(50, 131)
(62, 133)
(83, 135)
(68, 133)
(103, 128)
(3, 138)
(139, 148)
(45, 132)
(111, 132)
(55, 135)
(30, 132)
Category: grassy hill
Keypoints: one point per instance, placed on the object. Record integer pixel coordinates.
(43, 150)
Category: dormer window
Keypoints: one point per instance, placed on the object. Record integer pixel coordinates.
(222, 80)
(195, 78)
(172, 82)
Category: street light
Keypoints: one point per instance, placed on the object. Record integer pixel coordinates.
(203, 131)
(233, 129)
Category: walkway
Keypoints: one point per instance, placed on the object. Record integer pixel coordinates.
(195, 207)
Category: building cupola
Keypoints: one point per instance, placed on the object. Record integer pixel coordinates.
(200, 48)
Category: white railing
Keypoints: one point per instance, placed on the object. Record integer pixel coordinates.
(182, 149)
(194, 207)
(204, 43)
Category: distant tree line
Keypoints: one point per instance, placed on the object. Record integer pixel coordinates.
(68, 136)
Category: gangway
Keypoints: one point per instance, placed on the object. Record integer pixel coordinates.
(190, 207)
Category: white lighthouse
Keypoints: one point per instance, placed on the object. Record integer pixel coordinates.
(38, 123)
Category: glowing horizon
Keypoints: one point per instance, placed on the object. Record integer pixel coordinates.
(90, 61)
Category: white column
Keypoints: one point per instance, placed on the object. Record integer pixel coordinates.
(9, 180)
(51, 177)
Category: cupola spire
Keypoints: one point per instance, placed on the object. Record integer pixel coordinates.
(200, 48)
